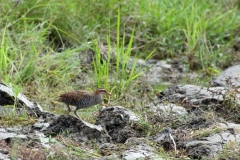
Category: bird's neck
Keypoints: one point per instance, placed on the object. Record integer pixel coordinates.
(97, 93)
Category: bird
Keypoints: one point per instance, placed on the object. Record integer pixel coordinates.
(82, 99)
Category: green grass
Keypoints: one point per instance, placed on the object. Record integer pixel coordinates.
(10, 118)
(230, 151)
(207, 132)
(117, 75)
(40, 40)
(196, 29)
(57, 151)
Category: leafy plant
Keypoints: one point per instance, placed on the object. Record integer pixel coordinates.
(124, 71)
(231, 150)
(13, 118)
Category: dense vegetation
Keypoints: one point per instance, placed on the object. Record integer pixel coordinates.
(33, 31)
(41, 41)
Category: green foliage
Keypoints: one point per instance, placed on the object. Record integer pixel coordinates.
(122, 75)
(231, 150)
(201, 30)
(197, 29)
(27, 55)
(12, 118)
(209, 71)
(39, 39)
(101, 67)
(207, 132)
(71, 151)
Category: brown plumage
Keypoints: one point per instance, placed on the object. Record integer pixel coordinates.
(82, 99)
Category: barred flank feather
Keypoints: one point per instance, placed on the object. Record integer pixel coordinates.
(82, 98)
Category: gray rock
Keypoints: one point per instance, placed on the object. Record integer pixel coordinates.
(4, 156)
(139, 150)
(139, 63)
(43, 139)
(110, 157)
(213, 144)
(230, 125)
(167, 109)
(79, 130)
(106, 150)
(194, 95)
(15, 129)
(120, 123)
(139, 154)
(7, 97)
(162, 71)
(4, 134)
(228, 77)
(40, 126)
(164, 138)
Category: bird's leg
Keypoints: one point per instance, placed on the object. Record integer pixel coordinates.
(69, 109)
(75, 112)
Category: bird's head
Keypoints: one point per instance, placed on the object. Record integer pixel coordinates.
(101, 91)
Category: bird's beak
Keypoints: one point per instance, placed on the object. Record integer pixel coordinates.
(108, 94)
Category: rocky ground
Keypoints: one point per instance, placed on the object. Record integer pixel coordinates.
(197, 123)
